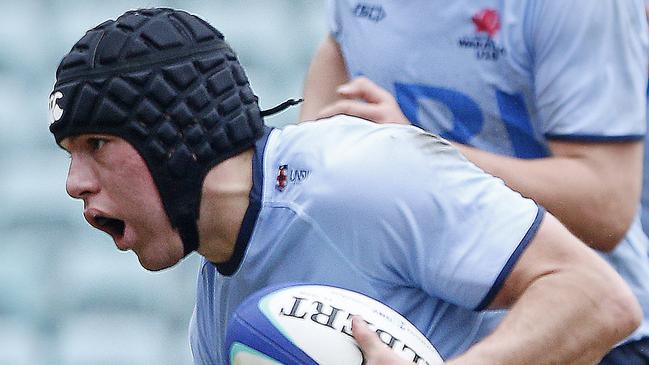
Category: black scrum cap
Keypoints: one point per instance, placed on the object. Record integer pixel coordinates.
(168, 83)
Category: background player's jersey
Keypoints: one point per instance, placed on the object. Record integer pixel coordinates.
(645, 180)
(645, 172)
(389, 211)
(507, 76)
(502, 75)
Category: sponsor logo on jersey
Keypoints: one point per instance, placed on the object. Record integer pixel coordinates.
(369, 11)
(487, 25)
(55, 110)
(286, 175)
(297, 176)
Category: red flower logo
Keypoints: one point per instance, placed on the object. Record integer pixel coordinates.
(487, 20)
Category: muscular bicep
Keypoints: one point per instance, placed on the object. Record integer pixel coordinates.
(602, 182)
(593, 188)
(553, 250)
(326, 72)
(616, 164)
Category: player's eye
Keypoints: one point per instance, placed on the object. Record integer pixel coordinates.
(96, 143)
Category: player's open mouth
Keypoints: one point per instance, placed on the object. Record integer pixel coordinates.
(112, 226)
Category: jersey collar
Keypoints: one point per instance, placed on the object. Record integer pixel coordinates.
(254, 206)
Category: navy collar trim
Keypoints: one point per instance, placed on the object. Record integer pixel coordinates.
(254, 206)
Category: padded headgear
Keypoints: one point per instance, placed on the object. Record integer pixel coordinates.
(168, 83)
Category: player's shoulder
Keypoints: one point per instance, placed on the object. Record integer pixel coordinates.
(353, 134)
(349, 140)
(596, 11)
(338, 125)
(345, 152)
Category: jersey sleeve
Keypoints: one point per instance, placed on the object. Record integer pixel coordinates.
(333, 18)
(590, 68)
(468, 229)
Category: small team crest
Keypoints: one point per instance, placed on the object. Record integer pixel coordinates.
(285, 175)
(282, 178)
(55, 110)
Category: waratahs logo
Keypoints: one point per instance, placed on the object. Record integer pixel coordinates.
(488, 21)
(55, 110)
(484, 41)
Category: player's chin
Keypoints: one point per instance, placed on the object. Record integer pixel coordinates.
(153, 262)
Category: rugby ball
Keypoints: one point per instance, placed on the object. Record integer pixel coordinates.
(311, 324)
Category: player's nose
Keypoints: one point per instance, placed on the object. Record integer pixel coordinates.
(82, 180)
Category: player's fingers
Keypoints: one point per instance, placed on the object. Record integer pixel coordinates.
(363, 88)
(374, 351)
(352, 107)
(367, 339)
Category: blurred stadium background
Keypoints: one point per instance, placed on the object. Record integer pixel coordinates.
(67, 296)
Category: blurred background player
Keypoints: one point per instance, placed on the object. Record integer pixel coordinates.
(170, 155)
(549, 96)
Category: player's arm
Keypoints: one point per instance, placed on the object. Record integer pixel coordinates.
(326, 72)
(592, 187)
(567, 306)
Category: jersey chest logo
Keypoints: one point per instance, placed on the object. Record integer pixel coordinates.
(286, 175)
(482, 42)
(487, 21)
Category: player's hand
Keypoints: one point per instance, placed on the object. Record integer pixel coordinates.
(375, 351)
(365, 99)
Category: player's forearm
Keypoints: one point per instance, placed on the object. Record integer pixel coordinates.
(597, 205)
(568, 318)
(326, 72)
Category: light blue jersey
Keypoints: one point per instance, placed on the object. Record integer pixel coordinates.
(645, 173)
(386, 210)
(507, 76)
(644, 199)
